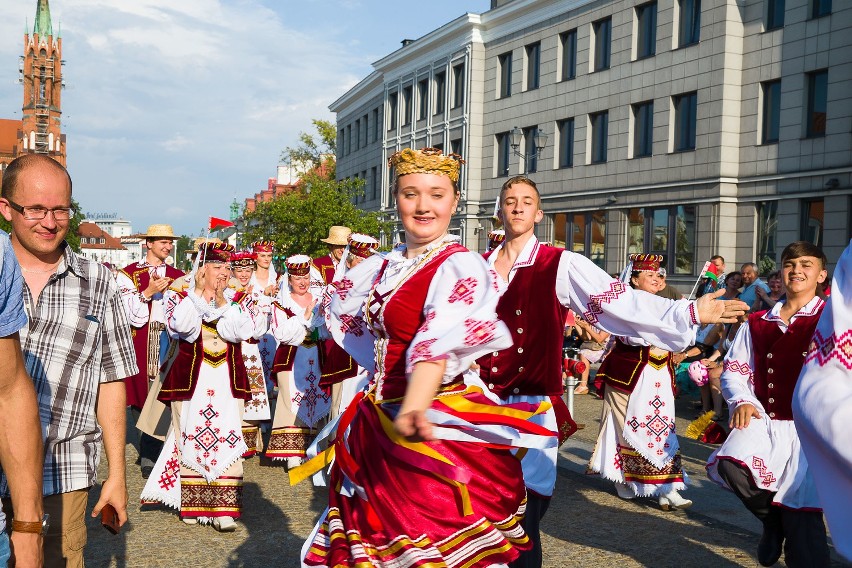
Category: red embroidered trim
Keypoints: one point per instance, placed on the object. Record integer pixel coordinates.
(824, 349)
(616, 289)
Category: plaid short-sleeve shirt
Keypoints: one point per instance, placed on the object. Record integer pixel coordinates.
(78, 337)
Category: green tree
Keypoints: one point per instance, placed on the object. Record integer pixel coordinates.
(296, 221)
(182, 246)
(314, 151)
(73, 236)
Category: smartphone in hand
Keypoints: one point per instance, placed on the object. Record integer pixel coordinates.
(109, 519)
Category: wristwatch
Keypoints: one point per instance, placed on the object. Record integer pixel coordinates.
(38, 527)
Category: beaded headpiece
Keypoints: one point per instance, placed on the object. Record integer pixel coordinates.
(362, 245)
(262, 246)
(243, 259)
(646, 261)
(215, 252)
(298, 264)
(425, 161)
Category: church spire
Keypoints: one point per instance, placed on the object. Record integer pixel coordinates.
(43, 26)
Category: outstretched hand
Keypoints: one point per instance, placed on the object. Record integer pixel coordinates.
(413, 426)
(711, 310)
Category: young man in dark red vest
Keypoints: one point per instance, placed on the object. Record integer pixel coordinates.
(142, 285)
(762, 460)
(544, 282)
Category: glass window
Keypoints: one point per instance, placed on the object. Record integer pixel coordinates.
(603, 38)
(533, 61)
(817, 103)
(659, 230)
(820, 8)
(568, 42)
(456, 146)
(503, 154)
(376, 123)
(366, 122)
(635, 230)
(774, 14)
(669, 231)
(588, 235)
(440, 91)
(600, 125)
(530, 152)
(505, 64)
(406, 106)
(560, 226)
(690, 22)
(771, 111)
(348, 139)
(646, 37)
(392, 102)
(684, 239)
(357, 134)
(813, 215)
(686, 107)
(341, 141)
(422, 99)
(374, 183)
(458, 85)
(566, 142)
(643, 129)
(767, 231)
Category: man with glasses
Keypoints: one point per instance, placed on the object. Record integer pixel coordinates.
(77, 349)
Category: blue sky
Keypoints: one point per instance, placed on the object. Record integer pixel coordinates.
(172, 109)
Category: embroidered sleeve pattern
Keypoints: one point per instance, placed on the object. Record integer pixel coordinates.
(135, 303)
(738, 374)
(345, 319)
(617, 308)
(460, 310)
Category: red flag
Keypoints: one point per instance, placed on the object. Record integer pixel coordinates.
(217, 223)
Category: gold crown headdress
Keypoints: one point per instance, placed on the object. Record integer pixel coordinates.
(426, 161)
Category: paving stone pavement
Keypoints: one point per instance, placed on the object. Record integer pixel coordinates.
(586, 525)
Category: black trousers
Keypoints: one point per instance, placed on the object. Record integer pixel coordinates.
(805, 542)
(536, 508)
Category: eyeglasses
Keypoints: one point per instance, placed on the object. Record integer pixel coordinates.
(37, 213)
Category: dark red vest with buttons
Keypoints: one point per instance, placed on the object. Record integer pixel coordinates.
(778, 360)
(536, 319)
(623, 366)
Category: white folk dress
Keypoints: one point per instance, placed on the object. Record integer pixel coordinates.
(302, 404)
(200, 469)
(769, 448)
(822, 406)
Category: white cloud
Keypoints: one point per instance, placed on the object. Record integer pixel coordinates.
(175, 107)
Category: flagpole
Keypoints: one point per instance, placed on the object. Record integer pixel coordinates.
(703, 272)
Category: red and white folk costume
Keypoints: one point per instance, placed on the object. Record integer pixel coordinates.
(761, 369)
(257, 407)
(544, 283)
(302, 404)
(148, 322)
(637, 445)
(344, 389)
(266, 344)
(200, 470)
(451, 502)
(822, 406)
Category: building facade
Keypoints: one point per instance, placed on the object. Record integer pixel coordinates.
(683, 127)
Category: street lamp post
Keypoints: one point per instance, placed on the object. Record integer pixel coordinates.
(539, 139)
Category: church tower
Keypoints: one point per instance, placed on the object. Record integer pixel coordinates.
(41, 74)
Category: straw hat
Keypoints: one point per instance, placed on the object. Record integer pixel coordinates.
(160, 232)
(337, 235)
